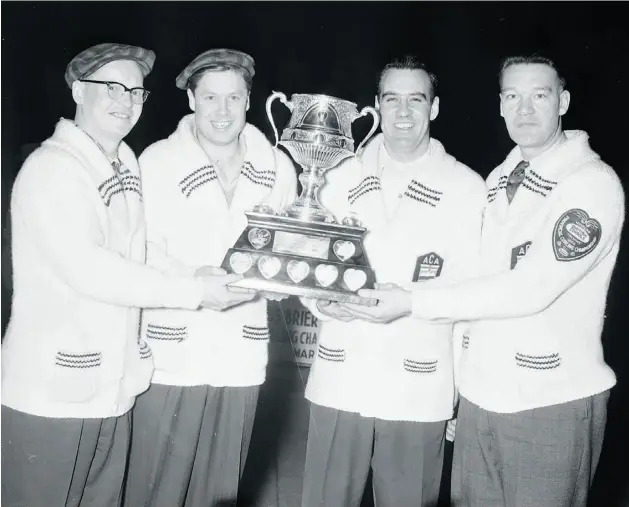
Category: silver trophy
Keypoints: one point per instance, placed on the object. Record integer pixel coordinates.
(303, 250)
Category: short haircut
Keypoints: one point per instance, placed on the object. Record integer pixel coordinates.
(193, 80)
(531, 60)
(409, 63)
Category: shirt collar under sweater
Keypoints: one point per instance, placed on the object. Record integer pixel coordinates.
(121, 193)
(543, 174)
(425, 187)
(257, 175)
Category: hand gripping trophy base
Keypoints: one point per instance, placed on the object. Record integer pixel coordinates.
(303, 251)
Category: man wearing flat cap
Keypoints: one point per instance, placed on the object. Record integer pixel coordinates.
(192, 427)
(72, 360)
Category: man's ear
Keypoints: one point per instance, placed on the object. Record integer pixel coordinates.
(377, 103)
(434, 108)
(564, 102)
(248, 104)
(78, 91)
(191, 101)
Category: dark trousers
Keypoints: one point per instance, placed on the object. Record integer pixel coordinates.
(406, 459)
(189, 445)
(50, 462)
(545, 457)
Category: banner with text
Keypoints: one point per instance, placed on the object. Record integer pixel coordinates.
(294, 332)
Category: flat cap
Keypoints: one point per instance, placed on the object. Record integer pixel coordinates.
(216, 57)
(92, 59)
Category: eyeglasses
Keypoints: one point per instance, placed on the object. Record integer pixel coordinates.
(117, 90)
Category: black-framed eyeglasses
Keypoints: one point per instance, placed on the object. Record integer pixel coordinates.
(117, 90)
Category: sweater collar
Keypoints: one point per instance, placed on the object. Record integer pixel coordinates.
(78, 142)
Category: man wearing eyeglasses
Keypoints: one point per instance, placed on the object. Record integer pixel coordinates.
(72, 360)
(192, 427)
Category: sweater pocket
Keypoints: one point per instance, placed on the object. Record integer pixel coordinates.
(420, 367)
(174, 334)
(332, 355)
(540, 363)
(256, 333)
(75, 376)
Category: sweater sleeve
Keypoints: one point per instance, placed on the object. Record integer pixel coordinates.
(55, 206)
(581, 228)
(467, 228)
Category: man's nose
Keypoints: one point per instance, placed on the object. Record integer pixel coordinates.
(525, 106)
(126, 99)
(223, 107)
(403, 110)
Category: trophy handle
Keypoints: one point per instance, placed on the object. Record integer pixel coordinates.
(376, 121)
(269, 101)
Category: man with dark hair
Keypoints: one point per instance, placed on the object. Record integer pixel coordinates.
(72, 360)
(192, 427)
(381, 394)
(534, 384)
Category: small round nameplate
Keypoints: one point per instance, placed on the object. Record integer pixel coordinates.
(259, 237)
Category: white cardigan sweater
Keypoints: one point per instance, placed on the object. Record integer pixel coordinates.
(547, 258)
(401, 371)
(72, 347)
(190, 223)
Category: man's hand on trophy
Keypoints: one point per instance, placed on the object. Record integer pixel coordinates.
(217, 295)
(393, 302)
(273, 296)
(334, 310)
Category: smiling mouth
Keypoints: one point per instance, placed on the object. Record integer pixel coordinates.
(221, 125)
(404, 125)
(121, 116)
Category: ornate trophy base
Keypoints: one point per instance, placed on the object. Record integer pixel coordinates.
(291, 256)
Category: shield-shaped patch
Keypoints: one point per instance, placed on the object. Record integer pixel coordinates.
(428, 266)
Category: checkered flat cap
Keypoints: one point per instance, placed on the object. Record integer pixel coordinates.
(92, 59)
(216, 57)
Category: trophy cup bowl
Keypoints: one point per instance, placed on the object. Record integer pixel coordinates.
(318, 137)
(303, 250)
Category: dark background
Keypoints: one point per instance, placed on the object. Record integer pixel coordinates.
(338, 48)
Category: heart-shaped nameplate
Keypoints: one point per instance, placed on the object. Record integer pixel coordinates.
(269, 266)
(344, 249)
(326, 274)
(240, 262)
(259, 237)
(354, 279)
(297, 270)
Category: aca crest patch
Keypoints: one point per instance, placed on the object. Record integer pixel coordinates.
(427, 267)
(575, 235)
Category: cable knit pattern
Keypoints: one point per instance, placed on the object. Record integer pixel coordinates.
(402, 370)
(189, 221)
(548, 259)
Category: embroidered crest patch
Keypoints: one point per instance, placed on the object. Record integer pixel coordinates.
(428, 266)
(575, 235)
(518, 252)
